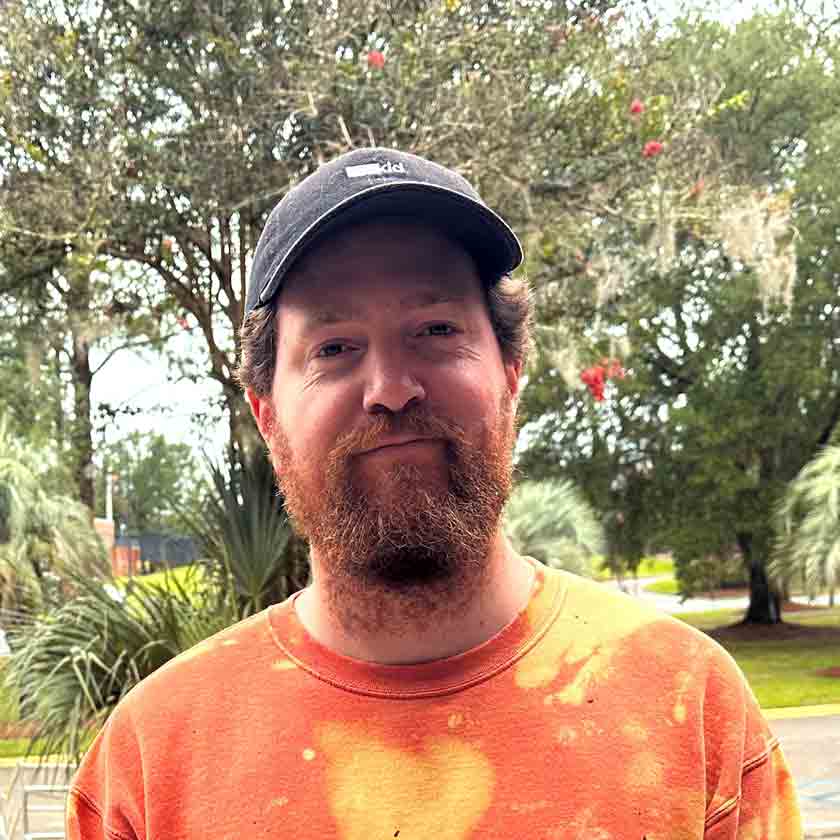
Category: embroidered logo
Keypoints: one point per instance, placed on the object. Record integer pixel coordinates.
(366, 169)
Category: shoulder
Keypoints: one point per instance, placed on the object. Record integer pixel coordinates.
(216, 665)
(646, 640)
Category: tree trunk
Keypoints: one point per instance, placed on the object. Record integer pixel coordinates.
(82, 428)
(78, 303)
(765, 603)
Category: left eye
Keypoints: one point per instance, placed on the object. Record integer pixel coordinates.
(439, 330)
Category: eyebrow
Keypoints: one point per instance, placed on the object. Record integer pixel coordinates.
(324, 316)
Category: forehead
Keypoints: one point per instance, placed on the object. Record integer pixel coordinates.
(386, 258)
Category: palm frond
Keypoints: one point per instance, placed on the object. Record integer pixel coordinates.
(552, 522)
(71, 668)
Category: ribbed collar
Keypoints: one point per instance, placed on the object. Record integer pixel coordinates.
(443, 676)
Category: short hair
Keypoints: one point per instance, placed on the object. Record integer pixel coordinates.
(509, 303)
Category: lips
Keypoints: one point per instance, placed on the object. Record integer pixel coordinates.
(394, 442)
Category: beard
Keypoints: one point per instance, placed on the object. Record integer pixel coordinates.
(402, 550)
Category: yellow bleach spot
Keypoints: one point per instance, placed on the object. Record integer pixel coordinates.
(441, 788)
(279, 802)
(595, 628)
(308, 754)
(455, 720)
(229, 642)
(645, 770)
(634, 731)
(566, 735)
(591, 728)
(283, 665)
(683, 680)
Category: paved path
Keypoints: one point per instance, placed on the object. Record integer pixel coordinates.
(812, 749)
(675, 604)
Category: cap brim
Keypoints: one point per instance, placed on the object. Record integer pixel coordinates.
(484, 234)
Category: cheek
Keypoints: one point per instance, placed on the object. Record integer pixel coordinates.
(313, 421)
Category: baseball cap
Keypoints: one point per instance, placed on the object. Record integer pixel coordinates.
(371, 183)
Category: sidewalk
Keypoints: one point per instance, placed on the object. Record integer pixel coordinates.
(674, 604)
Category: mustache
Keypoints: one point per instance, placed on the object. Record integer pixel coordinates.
(418, 421)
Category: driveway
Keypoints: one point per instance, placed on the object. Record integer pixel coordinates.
(812, 749)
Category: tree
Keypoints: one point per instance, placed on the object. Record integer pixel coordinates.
(808, 546)
(552, 522)
(154, 481)
(159, 136)
(717, 289)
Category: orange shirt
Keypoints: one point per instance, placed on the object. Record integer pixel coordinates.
(589, 716)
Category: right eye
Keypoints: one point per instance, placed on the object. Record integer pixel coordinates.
(331, 350)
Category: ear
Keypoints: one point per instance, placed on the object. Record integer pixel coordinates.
(513, 375)
(263, 411)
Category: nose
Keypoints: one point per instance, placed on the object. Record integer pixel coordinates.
(391, 385)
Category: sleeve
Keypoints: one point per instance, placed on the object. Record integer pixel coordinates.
(751, 793)
(84, 820)
(106, 795)
(768, 809)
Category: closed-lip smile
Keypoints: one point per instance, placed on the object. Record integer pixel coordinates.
(395, 440)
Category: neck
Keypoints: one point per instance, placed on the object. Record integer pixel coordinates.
(401, 628)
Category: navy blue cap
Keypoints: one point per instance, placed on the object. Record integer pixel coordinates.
(372, 183)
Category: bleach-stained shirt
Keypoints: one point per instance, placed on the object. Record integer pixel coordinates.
(589, 717)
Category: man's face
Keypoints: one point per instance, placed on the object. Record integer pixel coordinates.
(391, 420)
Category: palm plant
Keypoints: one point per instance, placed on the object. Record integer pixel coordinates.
(72, 667)
(246, 536)
(552, 522)
(44, 537)
(808, 526)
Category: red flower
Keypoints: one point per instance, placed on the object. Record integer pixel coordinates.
(183, 323)
(594, 378)
(652, 148)
(375, 59)
(637, 106)
(168, 243)
(613, 369)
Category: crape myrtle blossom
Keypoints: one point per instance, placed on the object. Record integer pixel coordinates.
(596, 376)
(652, 148)
(376, 59)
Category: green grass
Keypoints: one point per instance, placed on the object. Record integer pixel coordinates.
(185, 576)
(18, 748)
(783, 672)
(659, 564)
(664, 587)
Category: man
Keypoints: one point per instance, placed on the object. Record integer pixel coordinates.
(429, 682)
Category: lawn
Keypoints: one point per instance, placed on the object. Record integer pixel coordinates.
(664, 587)
(782, 671)
(184, 576)
(651, 566)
